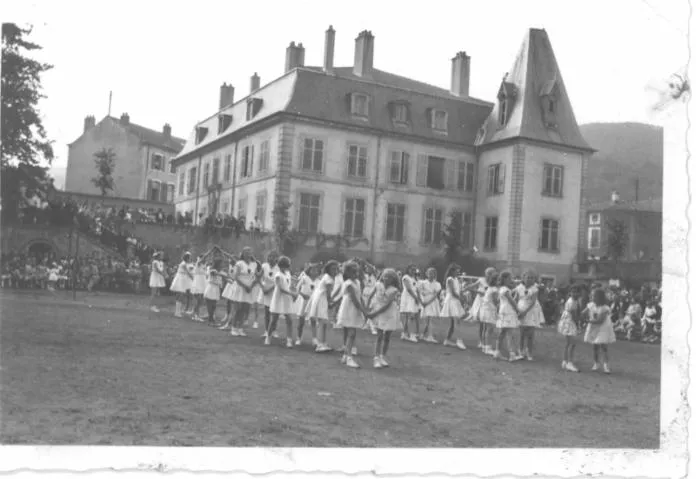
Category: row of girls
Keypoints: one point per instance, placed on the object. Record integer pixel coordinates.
(350, 296)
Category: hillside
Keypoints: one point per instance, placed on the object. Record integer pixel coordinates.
(626, 152)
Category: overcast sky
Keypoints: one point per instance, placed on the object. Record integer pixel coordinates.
(164, 61)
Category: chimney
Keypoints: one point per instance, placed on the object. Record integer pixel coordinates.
(460, 75)
(614, 197)
(294, 56)
(329, 41)
(125, 119)
(226, 95)
(89, 122)
(255, 83)
(364, 51)
(167, 131)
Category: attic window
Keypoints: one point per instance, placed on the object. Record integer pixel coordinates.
(480, 135)
(201, 133)
(438, 120)
(400, 113)
(506, 99)
(224, 122)
(549, 103)
(502, 110)
(253, 107)
(360, 105)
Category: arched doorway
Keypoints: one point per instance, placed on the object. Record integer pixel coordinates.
(41, 249)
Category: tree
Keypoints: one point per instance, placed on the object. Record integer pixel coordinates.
(451, 236)
(617, 241)
(104, 161)
(25, 147)
(281, 228)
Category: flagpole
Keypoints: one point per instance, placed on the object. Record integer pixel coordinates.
(109, 113)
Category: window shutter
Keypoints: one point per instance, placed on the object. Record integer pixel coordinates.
(469, 186)
(451, 173)
(393, 157)
(342, 227)
(149, 190)
(346, 162)
(251, 161)
(501, 178)
(541, 233)
(422, 171)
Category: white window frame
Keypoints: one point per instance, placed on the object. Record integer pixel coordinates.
(439, 120)
(311, 208)
(590, 230)
(182, 182)
(495, 185)
(355, 105)
(206, 174)
(403, 159)
(398, 236)
(549, 247)
(192, 180)
(354, 214)
(161, 162)
(556, 174)
(314, 150)
(432, 225)
(468, 169)
(400, 113)
(171, 192)
(152, 189)
(246, 168)
(242, 207)
(215, 177)
(357, 157)
(595, 219)
(259, 212)
(227, 169)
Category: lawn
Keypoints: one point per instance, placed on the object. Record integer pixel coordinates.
(103, 370)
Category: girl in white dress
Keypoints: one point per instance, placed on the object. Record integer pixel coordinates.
(305, 286)
(351, 313)
(198, 287)
(241, 295)
(479, 288)
(488, 313)
(368, 292)
(53, 273)
(429, 291)
(156, 279)
(318, 308)
(508, 318)
(599, 332)
(336, 297)
(267, 283)
(256, 293)
(228, 292)
(568, 327)
(452, 307)
(281, 301)
(531, 315)
(410, 303)
(385, 314)
(212, 290)
(181, 284)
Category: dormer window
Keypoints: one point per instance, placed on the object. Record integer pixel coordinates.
(201, 133)
(480, 135)
(506, 99)
(360, 105)
(502, 110)
(253, 107)
(224, 122)
(549, 102)
(438, 120)
(400, 113)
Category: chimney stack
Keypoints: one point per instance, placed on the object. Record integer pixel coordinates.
(460, 75)
(294, 56)
(329, 41)
(125, 119)
(226, 95)
(255, 83)
(364, 52)
(89, 122)
(167, 131)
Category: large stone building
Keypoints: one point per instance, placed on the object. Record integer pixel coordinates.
(368, 154)
(143, 168)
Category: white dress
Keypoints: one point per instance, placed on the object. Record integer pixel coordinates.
(281, 303)
(349, 316)
(408, 302)
(230, 288)
(535, 317)
(304, 286)
(53, 274)
(603, 332)
(488, 312)
(156, 275)
(368, 289)
(478, 299)
(428, 291)
(507, 316)
(244, 273)
(269, 273)
(213, 286)
(389, 319)
(318, 304)
(452, 307)
(182, 281)
(199, 281)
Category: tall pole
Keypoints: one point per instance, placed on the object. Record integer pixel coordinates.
(109, 113)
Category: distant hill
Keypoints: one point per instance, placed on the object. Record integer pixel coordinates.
(626, 151)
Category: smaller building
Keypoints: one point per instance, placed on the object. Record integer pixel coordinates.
(142, 168)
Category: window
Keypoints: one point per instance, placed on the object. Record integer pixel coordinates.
(170, 193)
(594, 237)
(398, 167)
(261, 207)
(438, 120)
(396, 218)
(201, 133)
(192, 179)
(465, 176)
(435, 173)
(490, 233)
(502, 110)
(182, 182)
(432, 229)
(224, 122)
(253, 107)
(247, 166)
(216, 170)
(242, 208)
(206, 175)
(464, 234)
(357, 161)
(354, 217)
(313, 155)
(496, 179)
(548, 240)
(228, 168)
(400, 113)
(359, 105)
(157, 162)
(225, 207)
(309, 213)
(553, 180)
(595, 219)
(264, 156)
(154, 190)
(172, 168)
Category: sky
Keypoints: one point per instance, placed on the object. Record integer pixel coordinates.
(165, 61)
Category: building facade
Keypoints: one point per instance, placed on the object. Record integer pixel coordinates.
(388, 162)
(143, 167)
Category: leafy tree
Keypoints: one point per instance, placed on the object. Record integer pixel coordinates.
(281, 228)
(25, 147)
(617, 241)
(451, 236)
(104, 161)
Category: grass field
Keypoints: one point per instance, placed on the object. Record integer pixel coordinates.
(102, 370)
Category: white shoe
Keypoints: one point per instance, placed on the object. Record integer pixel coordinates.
(276, 335)
(288, 343)
(376, 363)
(298, 342)
(480, 345)
(383, 361)
(460, 344)
(447, 342)
(234, 332)
(571, 367)
(155, 309)
(223, 327)
(267, 341)
(412, 338)
(255, 325)
(404, 336)
(315, 342)
(351, 363)
(241, 332)
(430, 339)
(595, 367)
(322, 348)
(564, 365)
(606, 369)
(496, 355)
(374, 332)
(343, 359)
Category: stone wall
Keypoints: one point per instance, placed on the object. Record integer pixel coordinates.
(19, 238)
